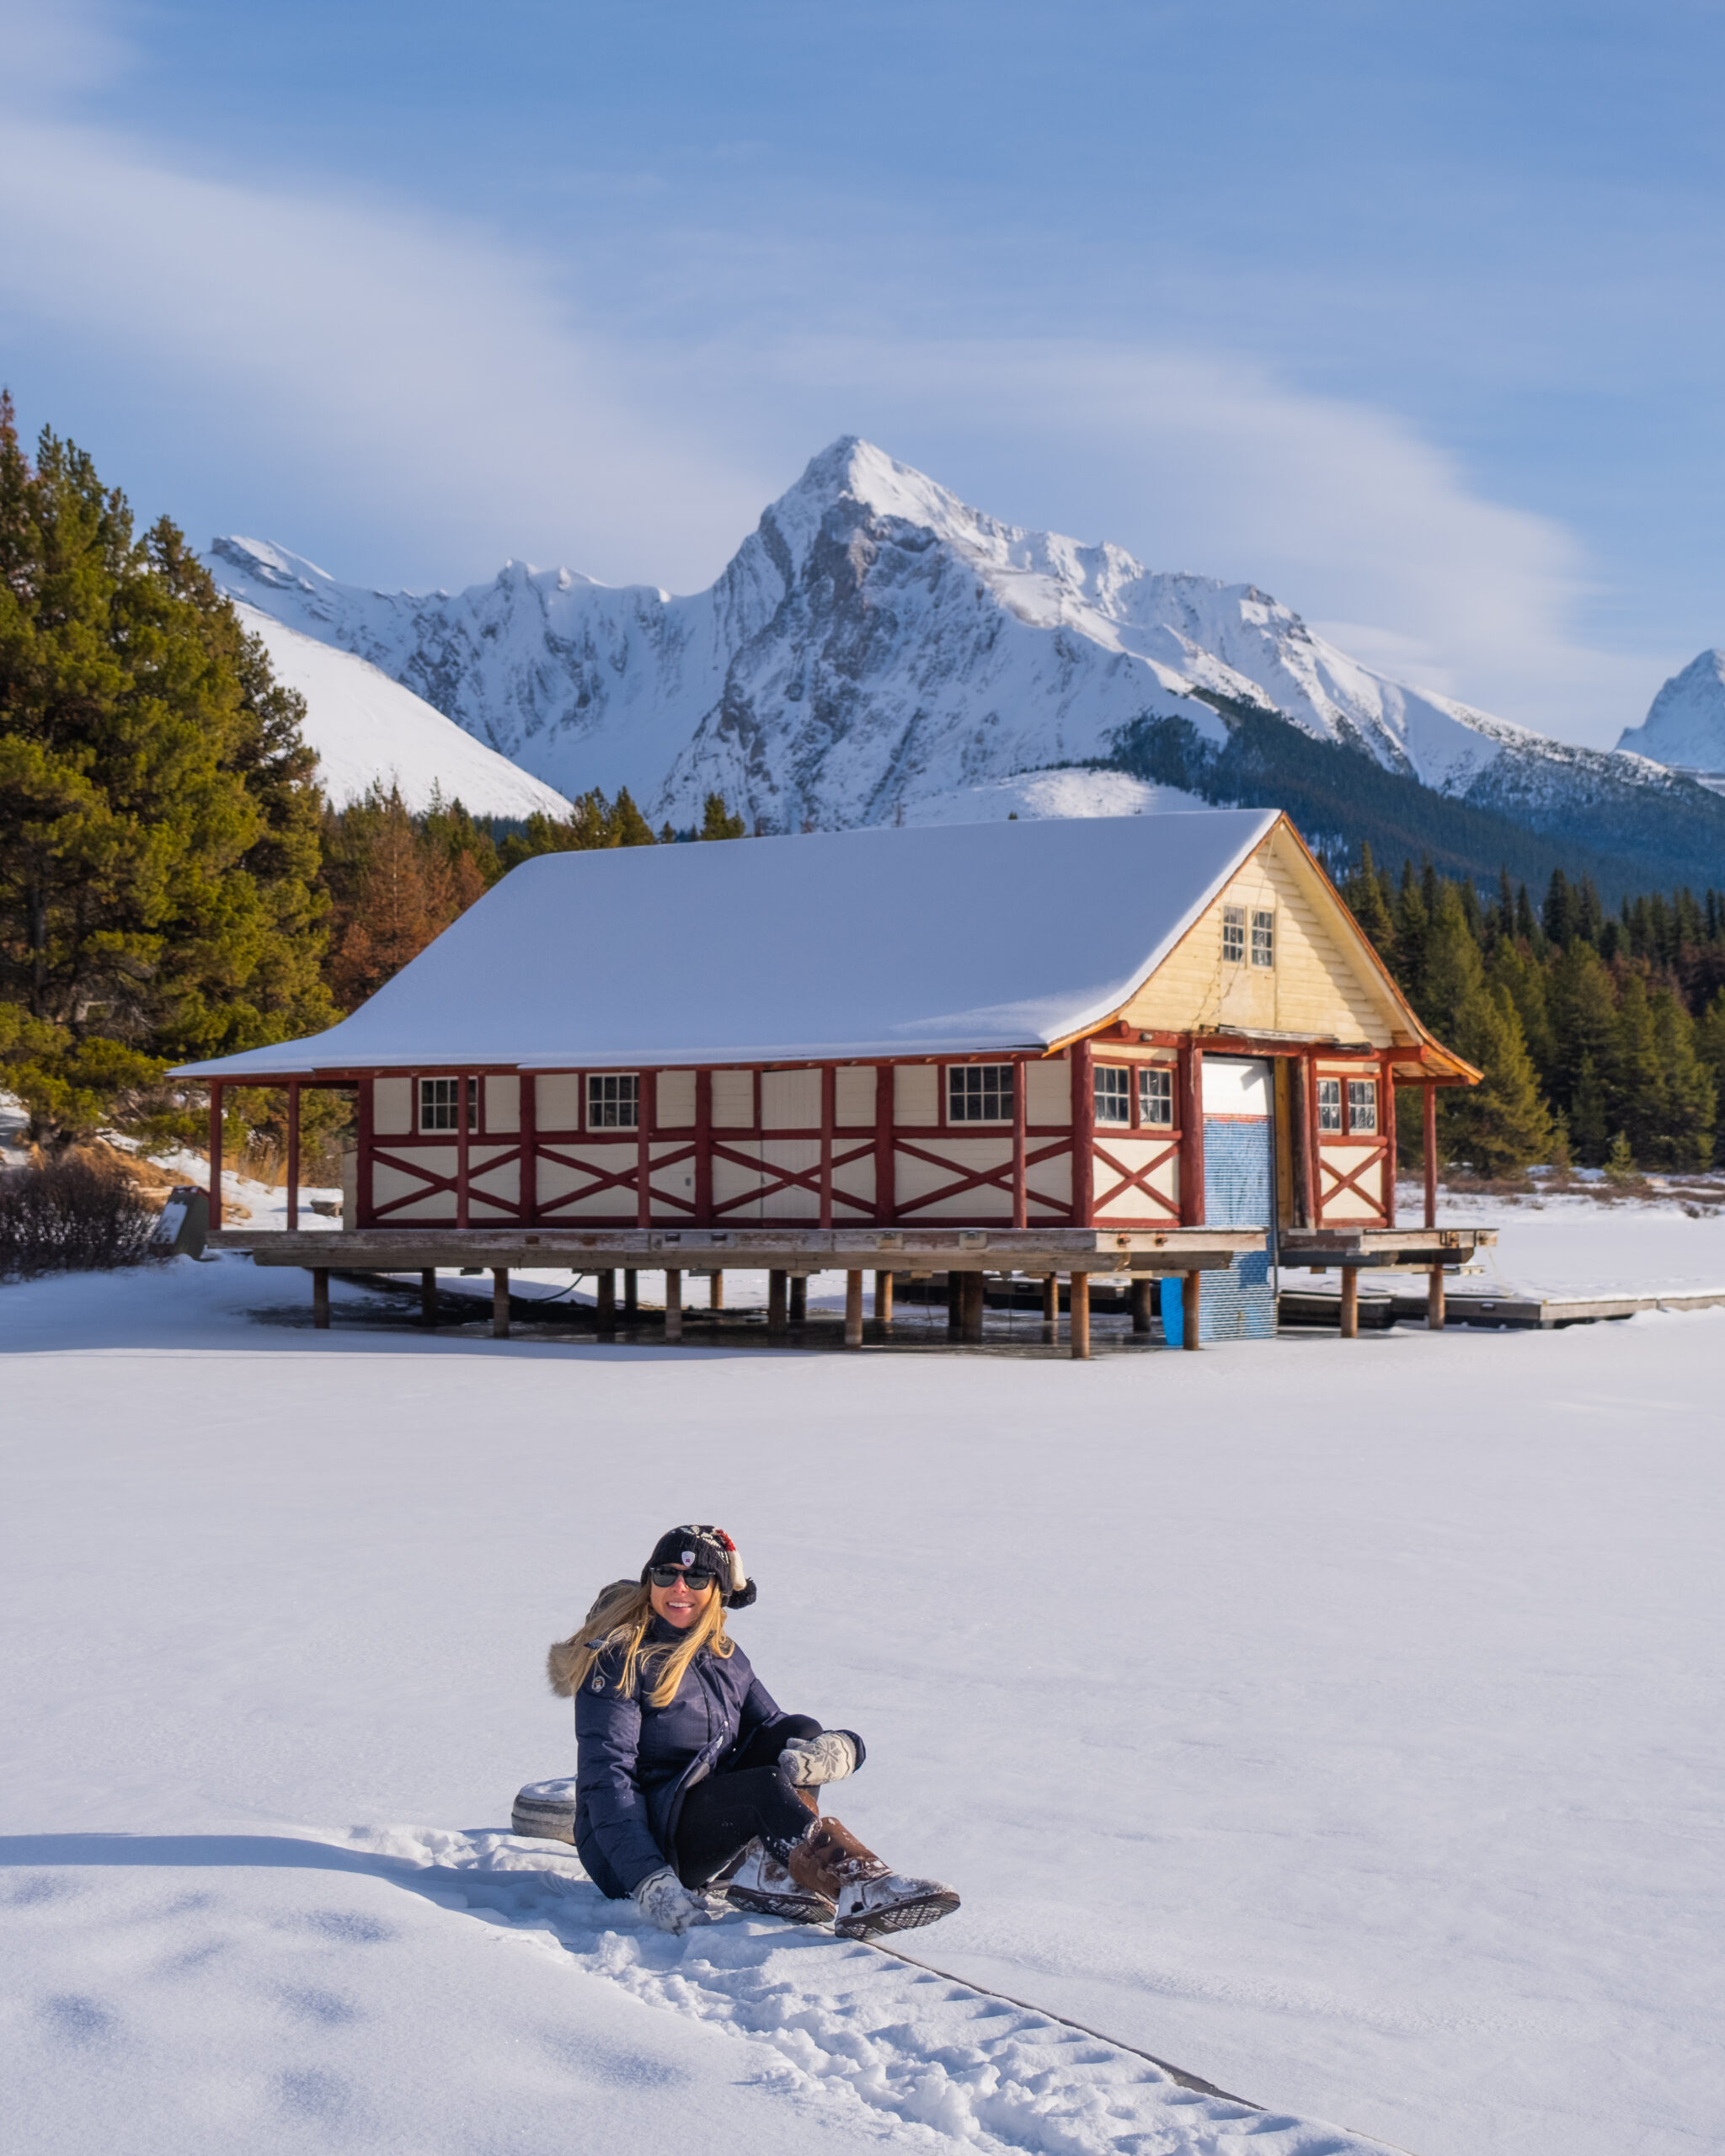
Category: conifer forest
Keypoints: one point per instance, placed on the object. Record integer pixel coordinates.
(173, 884)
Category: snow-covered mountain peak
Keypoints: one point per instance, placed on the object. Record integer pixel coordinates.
(1685, 723)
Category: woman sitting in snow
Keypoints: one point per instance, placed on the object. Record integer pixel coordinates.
(689, 1777)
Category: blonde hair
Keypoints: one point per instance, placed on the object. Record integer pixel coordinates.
(620, 1618)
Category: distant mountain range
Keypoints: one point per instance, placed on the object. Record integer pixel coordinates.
(876, 647)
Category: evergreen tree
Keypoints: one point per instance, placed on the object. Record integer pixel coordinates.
(1690, 1095)
(1412, 921)
(1560, 910)
(158, 818)
(1635, 1076)
(716, 821)
(1364, 892)
(1590, 1127)
(1584, 1021)
(1514, 970)
(1501, 1124)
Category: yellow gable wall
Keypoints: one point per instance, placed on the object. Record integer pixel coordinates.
(1316, 987)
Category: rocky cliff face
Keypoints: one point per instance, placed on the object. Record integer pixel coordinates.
(1685, 723)
(876, 645)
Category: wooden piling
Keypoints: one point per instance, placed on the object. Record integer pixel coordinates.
(607, 1305)
(853, 1310)
(1434, 1300)
(1143, 1290)
(499, 1302)
(777, 1324)
(955, 1301)
(428, 1296)
(631, 1295)
(673, 1306)
(1079, 1327)
(1350, 1302)
(1191, 1310)
(320, 1297)
(715, 1290)
(799, 1298)
(883, 1299)
(973, 1303)
(1051, 1299)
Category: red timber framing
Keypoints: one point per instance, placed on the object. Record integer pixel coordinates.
(855, 1159)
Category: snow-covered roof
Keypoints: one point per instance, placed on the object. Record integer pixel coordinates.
(949, 940)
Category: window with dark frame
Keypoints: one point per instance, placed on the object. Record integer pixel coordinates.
(1112, 1091)
(979, 1092)
(1329, 1104)
(1263, 935)
(613, 1100)
(1234, 936)
(439, 1103)
(1363, 1105)
(1156, 1096)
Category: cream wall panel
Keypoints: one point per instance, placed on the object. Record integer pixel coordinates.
(438, 1208)
(1318, 985)
(916, 1177)
(916, 1095)
(854, 1180)
(854, 1103)
(675, 1106)
(790, 1100)
(673, 1179)
(555, 1180)
(733, 1100)
(558, 1102)
(987, 1203)
(392, 1106)
(732, 1180)
(1135, 1153)
(440, 1159)
(502, 1184)
(1051, 1179)
(802, 1154)
(1364, 1200)
(387, 1184)
(1048, 1092)
(503, 1103)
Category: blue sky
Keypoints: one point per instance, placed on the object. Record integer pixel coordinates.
(1408, 314)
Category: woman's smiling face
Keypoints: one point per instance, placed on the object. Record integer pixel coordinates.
(679, 1603)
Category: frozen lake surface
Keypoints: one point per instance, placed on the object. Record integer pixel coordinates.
(1341, 1720)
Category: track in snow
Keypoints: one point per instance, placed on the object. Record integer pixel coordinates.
(836, 2019)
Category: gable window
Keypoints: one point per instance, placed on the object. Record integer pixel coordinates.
(613, 1100)
(1329, 1104)
(1263, 935)
(1234, 934)
(979, 1092)
(1156, 1095)
(1362, 1105)
(439, 1104)
(1113, 1093)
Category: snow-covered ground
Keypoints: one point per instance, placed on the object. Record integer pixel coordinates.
(1342, 1721)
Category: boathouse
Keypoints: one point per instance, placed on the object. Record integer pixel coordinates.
(1154, 1044)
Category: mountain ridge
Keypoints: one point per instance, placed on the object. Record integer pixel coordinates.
(875, 642)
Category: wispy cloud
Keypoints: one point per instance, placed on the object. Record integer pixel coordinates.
(445, 398)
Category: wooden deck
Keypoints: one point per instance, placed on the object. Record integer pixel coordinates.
(769, 1249)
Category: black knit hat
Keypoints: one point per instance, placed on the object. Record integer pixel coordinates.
(709, 1549)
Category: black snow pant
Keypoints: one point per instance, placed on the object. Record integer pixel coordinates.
(746, 1796)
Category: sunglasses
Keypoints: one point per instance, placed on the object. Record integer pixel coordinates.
(697, 1578)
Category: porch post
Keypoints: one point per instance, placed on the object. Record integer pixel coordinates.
(886, 1198)
(1434, 1312)
(1079, 1328)
(293, 1154)
(216, 1152)
(1309, 1156)
(1083, 1138)
(1021, 1196)
(1387, 1094)
(829, 1114)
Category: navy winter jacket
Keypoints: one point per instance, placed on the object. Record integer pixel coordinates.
(636, 1761)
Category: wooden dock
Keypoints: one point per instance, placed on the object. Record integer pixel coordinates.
(1507, 1310)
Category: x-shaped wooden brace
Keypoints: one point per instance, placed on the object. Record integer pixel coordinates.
(791, 1178)
(435, 1184)
(1137, 1179)
(1339, 1183)
(603, 1178)
(999, 1178)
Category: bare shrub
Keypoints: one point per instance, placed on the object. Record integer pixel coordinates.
(71, 1215)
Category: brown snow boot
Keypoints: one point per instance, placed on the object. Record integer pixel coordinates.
(869, 1895)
